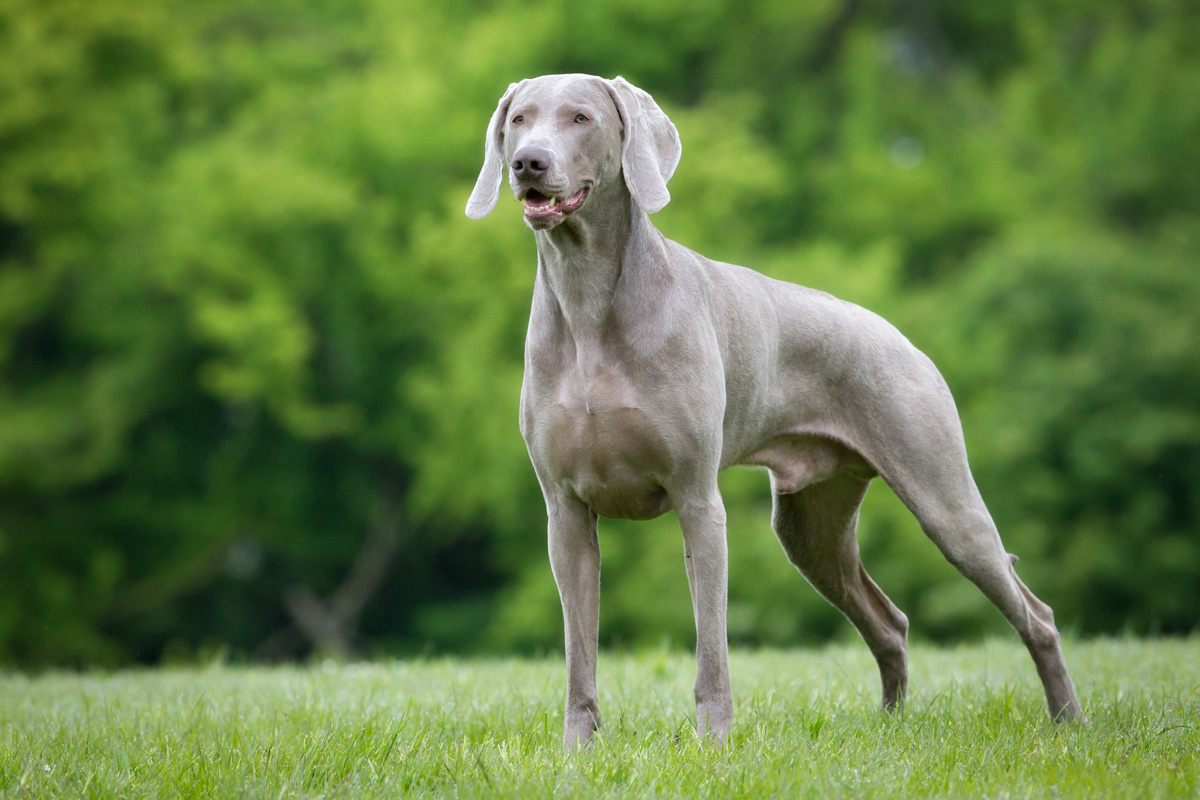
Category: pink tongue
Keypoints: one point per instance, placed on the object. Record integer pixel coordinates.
(575, 199)
(541, 204)
(544, 205)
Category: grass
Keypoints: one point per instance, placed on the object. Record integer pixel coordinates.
(975, 726)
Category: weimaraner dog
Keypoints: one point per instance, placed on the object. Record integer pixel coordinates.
(650, 368)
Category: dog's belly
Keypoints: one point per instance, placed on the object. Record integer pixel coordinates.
(612, 459)
(797, 461)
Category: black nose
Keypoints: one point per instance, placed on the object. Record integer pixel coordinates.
(531, 162)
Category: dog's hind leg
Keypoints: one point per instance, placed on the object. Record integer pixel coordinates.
(816, 527)
(958, 522)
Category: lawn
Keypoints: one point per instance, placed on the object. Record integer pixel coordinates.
(806, 726)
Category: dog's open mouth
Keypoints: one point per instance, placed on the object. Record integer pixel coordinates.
(540, 208)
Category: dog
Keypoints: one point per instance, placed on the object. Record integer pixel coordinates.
(650, 368)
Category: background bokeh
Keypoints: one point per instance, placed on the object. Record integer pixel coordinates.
(259, 373)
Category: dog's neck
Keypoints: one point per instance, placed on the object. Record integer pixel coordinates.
(581, 261)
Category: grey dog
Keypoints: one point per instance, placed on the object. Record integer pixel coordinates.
(650, 368)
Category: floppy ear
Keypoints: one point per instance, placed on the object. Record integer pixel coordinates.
(651, 149)
(487, 186)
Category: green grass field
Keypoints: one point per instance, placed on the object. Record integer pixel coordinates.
(806, 726)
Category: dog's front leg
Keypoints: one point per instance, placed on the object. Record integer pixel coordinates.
(707, 558)
(575, 559)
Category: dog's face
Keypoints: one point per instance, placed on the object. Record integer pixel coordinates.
(562, 141)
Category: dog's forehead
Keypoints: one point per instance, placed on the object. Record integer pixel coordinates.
(560, 90)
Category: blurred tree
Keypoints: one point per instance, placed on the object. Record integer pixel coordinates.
(259, 375)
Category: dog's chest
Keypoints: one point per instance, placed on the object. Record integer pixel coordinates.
(592, 433)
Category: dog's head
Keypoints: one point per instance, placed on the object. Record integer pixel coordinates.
(564, 138)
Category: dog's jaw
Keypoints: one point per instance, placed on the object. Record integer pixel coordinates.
(543, 212)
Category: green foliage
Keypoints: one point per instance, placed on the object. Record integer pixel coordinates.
(246, 330)
(806, 725)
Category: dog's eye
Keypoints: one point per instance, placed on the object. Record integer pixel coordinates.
(518, 120)
(580, 118)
